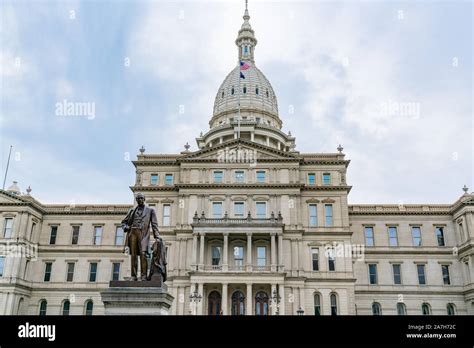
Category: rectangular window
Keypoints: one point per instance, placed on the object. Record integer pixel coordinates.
(115, 271)
(154, 179)
(369, 236)
(239, 256)
(75, 235)
(168, 179)
(328, 213)
(119, 235)
(216, 255)
(416, 235)
(315, 259)
(7, 228)
(93, 272)
(260, 176)
(97, 235)
(440, 236)
(218, 176)
(445, 270)
(166, 214)
(313, 215)
(239, 209)
(373, 274)
(239, 176)
(421, 274)
(53, 235)
(47, 271)
(331, 261)
(392, 236)
(216, 210)
(311, 179)
(261, 256)
(70, 271)
(397, 273)
(32, 232)
(261, 208)
(326, 179)
(2, 265)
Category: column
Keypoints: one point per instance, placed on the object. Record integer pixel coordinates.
(273, 303)
(178, 263)
(281, 289)
(249, 252)
(249, 302)
(294, 257)
(273, 251)
(200, 303)
(280, 253)
(224, 299)
(194, 252)
(201, 253)
(225, 263)
(302, 303)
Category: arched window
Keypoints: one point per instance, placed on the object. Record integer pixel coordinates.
(66, 307)
(451, 309)
(333, 304)
(425, 309)
(401, 309)
(317, 304)
(20, 307)
(43, 307)
(89, 307)
(261, 303)
(232, 91)
(245, 90)
(222, 94)
(238, 303)
(376, 308)
(267, 93)
(256, 90)
(214, 300)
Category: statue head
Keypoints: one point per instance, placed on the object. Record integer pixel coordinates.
(140, 198)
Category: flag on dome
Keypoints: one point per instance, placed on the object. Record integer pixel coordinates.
(244, 66)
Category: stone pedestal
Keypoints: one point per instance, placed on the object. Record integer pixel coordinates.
(126, 297)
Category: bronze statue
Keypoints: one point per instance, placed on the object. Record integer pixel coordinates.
(137, 225)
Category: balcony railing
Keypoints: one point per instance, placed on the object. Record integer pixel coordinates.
(276, 220)
(240, 268)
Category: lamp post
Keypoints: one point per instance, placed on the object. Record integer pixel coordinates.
(195, 298)
(300, 311)
(276, 301)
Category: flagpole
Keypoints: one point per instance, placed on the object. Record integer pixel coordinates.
(6, 170)
(238, 101)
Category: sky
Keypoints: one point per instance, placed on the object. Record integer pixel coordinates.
(391, 81)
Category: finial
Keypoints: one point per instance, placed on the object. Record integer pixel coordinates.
(289, 133)
(142, 150)
(246, 13)
(465, 189)
(28, 190)
(340, 148)
(187, 146)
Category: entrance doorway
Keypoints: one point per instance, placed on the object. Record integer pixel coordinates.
(261, 303)
(214, 301)
(238, 303)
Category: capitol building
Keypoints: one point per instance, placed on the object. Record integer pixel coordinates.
(252, 226)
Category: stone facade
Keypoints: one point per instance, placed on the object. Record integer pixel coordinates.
(251, 225)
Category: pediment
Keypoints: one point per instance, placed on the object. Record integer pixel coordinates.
(240, 151)
(9, 198)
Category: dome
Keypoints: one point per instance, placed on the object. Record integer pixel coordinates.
(246, 106)
(256, 92)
